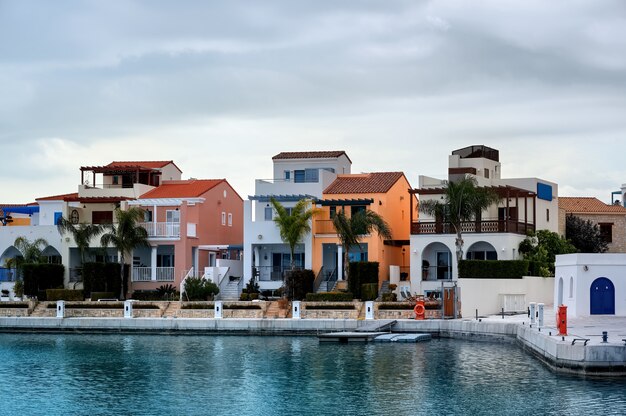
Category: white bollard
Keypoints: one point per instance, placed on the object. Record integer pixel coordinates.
(533, 309)
(128, 309)
(540, 315)
(295, 309)
(60, 309)
(218, 309)
(369, 310)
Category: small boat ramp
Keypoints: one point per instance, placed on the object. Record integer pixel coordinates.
(378, 331)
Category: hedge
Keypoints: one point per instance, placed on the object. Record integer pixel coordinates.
(10, 305)
(209, 305)
(493, 269)
(104, 305)
(330, 307)
(398, 306)
(41, 276)
(360, 273)
(237, 306)
(299, 283)
(369, 291)
(103, 277)
(329, 297)
(64, 294)
(145, 295)
(95, 296)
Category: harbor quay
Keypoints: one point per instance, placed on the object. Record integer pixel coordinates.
(592, 347)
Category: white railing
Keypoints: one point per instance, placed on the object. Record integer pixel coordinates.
(182, 282)
(162, 229)
(144, 274)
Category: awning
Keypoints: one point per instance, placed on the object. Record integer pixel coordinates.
(20, 210)
(281, 198)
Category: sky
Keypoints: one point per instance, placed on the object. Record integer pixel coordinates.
(222, 86)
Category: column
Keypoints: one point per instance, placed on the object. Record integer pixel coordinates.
(154, 220)
(339, 262)
(153, 263)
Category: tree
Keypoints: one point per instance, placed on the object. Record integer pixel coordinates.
(293, 224)
(32, 252)
(125, 236)
(542, 248)
(463, 201)
(82, 234)
(584, 235)
(351, 230)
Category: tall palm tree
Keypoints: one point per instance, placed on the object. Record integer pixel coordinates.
(32, 252)
(293, 225)
(350, 230)
(125, 236)
(463, 201)
(82, 234)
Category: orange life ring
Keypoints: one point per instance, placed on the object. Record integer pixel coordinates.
(419, 310)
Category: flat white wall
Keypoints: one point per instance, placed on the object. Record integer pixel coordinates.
(236, 266)
(488, 295)
(578, 271)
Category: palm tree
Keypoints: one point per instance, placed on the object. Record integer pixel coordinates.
(125, 236)
(82, 234)
(293, 225)
(351, 230)
(32, 252)
(463, 201)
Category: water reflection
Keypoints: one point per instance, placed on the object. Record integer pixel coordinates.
(219, 375)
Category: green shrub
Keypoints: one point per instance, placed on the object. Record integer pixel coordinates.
(11, 305)
(102, 277)
(331, 307)
(369, 291)
(41, 276)
(329, 297)
(198, 305)
(299, 283)
(90, 305)
(146, 295)
(95, 296)
(244, 296)
(197, 288)
(64, 294)
(240, 306)
(398, 306)
(389, 297)
(360, 273)
(253, 296)
(493, 269)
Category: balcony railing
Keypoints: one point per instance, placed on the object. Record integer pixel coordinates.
(144, 274)
(487, 226)
(324, 227)
(162, 229)
(270, 273)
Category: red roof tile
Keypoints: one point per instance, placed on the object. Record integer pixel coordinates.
(310, 155)
(182, 189)
(588, 205)
(366, 183)
(149, 164)
(62, 197)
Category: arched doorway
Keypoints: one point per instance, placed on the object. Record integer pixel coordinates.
(436, 262)
(481, 250)
(602, 297)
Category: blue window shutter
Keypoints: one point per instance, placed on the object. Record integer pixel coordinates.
(544, 191)
(57, 217)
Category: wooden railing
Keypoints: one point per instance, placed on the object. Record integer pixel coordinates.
(488, 226)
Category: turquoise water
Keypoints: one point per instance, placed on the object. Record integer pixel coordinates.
(55, 374)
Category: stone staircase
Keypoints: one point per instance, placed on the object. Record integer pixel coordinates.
(172, 310)
(327, 286)
(384, 288)
(274, 311)
(230, 291)
(41, 310)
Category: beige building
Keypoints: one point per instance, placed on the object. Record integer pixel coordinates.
(610, 218)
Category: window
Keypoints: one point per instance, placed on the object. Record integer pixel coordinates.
(287, 175)
(223, 218)
(548, 214)
(268, 214)
(355, 209)
(606, 231)
(487, 173)
(230, 219)
(116, 180)
(333, 212)
(172, 215)
(298, 176)
(102, 217)
(306, 175)
(147, 216)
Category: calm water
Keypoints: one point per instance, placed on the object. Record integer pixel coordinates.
(45, 374)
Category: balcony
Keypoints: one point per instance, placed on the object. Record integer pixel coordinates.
(144, 274)
(488, 226)
(325, 227)
(162, 229)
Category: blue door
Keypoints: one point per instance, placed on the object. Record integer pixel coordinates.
(602, 297)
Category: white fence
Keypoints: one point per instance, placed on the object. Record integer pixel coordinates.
(144, 274)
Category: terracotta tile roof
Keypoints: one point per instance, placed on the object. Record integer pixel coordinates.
(588, 205)
(310, 155)
(366, 183)
(182, 189)
(62, 197)
(151, 164)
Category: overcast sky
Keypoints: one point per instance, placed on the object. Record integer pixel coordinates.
(221, 86)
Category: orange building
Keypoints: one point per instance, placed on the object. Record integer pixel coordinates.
(385, 193)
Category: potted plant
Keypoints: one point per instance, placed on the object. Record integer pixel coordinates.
(4, 295)
(18, 290)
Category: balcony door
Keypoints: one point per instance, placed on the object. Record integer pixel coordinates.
(443, 265)
(172, 222)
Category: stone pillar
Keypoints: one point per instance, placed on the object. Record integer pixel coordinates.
(295, 309)
(218, 309)
(60, 309)
(128, 309)
(369, 310)
(540, 315)
(532, 306)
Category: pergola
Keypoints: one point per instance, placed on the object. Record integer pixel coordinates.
(117, 170)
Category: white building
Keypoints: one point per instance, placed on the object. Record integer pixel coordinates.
(527, 204)
(297, 175)
(591, 284)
